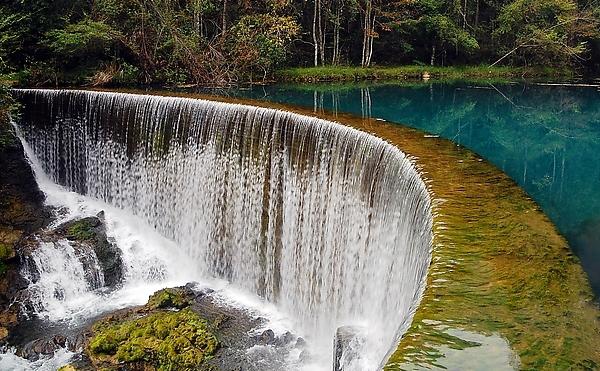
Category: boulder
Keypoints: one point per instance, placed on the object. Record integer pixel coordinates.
(91, 232)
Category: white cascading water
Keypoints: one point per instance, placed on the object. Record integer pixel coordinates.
(329, 224)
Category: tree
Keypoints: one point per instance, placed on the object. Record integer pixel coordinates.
(258, 42)
(544, 31)
(368, 17)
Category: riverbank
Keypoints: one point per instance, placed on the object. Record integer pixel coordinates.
(411, 73)
(341, 74)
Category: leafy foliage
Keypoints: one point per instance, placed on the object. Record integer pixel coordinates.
(544, 30)
(223, 41)
(258, 42)
(83, 38)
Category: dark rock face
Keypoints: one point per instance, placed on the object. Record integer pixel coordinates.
(21, 201)
(21, 213)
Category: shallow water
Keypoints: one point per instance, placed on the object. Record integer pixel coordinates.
(546, 138)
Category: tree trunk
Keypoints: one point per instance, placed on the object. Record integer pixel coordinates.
(366, 29)
(321, 34)
(371, 38)
(368, 34)
(465, 15)
(197, 20)
(224, 19)
(335, 59)
(432, 63)
(314, 34)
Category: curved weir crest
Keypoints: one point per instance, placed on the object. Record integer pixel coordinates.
(330, 224)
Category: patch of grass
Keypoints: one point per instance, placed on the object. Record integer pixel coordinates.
(344, 73)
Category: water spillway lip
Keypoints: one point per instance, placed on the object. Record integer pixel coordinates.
(361, 204)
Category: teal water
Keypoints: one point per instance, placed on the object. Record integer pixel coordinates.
(547, 138)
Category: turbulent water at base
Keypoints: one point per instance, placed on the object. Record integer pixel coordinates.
(329, 225)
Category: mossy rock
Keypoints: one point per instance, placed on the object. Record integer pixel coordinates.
(169, 298)
(82, 230)
(165, 340)
(6, 251)
(91, 231)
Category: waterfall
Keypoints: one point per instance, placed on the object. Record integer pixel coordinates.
(329, 224)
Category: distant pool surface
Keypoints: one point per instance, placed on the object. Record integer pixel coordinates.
(546, 137)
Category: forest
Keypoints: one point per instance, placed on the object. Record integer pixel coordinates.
(132, 42)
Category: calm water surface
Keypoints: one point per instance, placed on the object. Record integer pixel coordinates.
(547, 138)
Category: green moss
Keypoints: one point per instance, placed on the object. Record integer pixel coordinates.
(169, 298)
(166, 339)
(6, 251)
(81, 231)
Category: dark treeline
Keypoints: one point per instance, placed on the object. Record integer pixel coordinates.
(221, 41)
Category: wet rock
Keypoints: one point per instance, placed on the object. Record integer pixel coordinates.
(237, 350)
(21, 213)
(300, 343)
(3, 332)
(100, 258)
(304, 356)
(37, 348)
(285, 340)
(10, 317)
(91, 232)
(346, 347)
(266, 338)
(21, 201)
(177, 298)
(60, 340)
(11, 285)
